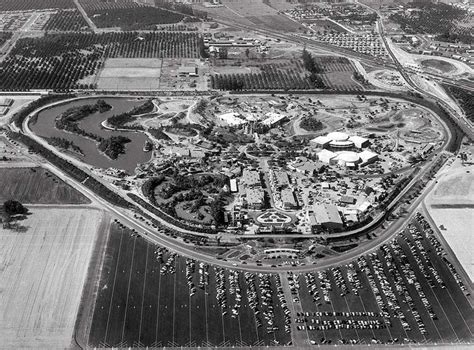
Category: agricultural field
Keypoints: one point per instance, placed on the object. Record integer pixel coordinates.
(134, 18)
(66, 21)
(95, 5)
(130, 74)
(69, 59)
(37, 186)
(465, 99)
(27, 5)
(262, 15)
(145, 299)
(336, 73)
(43, 268)
(271, 77)
(4, 36)
(436, 18)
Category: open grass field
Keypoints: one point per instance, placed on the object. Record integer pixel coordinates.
(37, 186)
(130, 74)
(140, 305)
(42, 272)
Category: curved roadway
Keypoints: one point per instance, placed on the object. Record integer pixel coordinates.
(126, 217)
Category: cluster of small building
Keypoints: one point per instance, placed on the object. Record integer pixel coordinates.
(282, 191)
(214, 43)
(368, 44)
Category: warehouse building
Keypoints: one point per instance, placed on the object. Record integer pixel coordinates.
(325, 217)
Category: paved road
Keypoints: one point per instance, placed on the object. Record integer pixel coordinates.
(157, 236)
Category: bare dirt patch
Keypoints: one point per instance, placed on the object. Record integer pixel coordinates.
(42, 272)
(130, 74)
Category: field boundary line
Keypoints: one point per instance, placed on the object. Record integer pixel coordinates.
(128, 288)
(113, 287)
(87, 306)
(143, 294)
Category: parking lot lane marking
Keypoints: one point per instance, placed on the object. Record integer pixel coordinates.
(289, 297)
(349, 309)
(113, 286)
(240, 329)
(365, 310)
(158, 301)
(189, 315)
(174, 293)
(143, 294)
(371, 290)
(128, 288)
(459, 311)
(222, 321)
(442, 308)
(420, 273)
(445, 289)
(416, 294)
(207, 322)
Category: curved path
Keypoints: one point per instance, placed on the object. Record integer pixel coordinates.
(156, 236)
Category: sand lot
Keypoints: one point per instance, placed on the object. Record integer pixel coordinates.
(451, 206)
(42, 273)
(457, 231)
(130, 74)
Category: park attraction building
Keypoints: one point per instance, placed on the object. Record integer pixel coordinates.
(337, 141)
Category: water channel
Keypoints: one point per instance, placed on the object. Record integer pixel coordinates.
(45, 127)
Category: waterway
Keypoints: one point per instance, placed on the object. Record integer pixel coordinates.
(45, 127)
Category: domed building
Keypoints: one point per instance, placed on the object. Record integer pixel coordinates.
(348, 159)
(337, 141)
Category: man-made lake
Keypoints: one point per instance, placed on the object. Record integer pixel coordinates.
(45, 127)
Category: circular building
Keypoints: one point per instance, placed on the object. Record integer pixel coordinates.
(348, 159)
(339, 140)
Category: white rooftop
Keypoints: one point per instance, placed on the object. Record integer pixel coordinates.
(321, 140)
(337, 136)
(367, 155)
(232, 118)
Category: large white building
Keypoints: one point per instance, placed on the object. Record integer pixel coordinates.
(325, 217)
(327, 157)
(232, 118)
(340, 141)
(348, 159)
